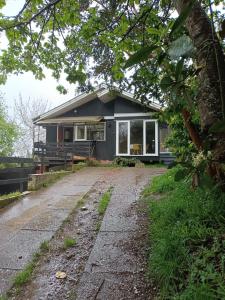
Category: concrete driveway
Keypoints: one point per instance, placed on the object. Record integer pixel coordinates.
(27, 223)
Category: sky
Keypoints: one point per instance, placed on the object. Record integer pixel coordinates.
(26, 84)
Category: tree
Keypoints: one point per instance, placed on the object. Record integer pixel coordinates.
(24, 113)
(179, 61)
(8, 131)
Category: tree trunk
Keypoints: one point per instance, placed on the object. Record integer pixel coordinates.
(211, 98)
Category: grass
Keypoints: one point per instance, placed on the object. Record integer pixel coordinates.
(104, 201)
(44, 246)
(10, 195)
(69, 242)
(187, 238)
(98, 226)
(25, 275)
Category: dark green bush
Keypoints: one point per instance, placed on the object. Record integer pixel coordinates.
(125, 162)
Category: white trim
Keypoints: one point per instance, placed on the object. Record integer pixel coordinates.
(85, 133)
(156, 137)
(144, 138)
(122, 115)
(117, 137)
(109, 118)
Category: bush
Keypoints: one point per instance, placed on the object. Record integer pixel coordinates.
(187, 239)
(125, 162)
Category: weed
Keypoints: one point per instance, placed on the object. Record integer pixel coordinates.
(44, 246)
(24, 276)
(104, 201)
(98, 226)
(3, 297)
(69, 242)
(187, 239)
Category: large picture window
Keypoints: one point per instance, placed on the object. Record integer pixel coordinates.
(90, 132)
(137, 137)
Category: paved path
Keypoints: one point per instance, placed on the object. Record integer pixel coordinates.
(27, 223)
(113, 268)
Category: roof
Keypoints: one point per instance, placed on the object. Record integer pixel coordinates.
(102, 93)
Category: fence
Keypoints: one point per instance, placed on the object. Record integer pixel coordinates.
(14, 174)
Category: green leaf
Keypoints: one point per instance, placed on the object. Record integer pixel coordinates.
(218, 127)
(179, 68)
(182, 17)
(166, 82)
(140, 55)
(181, 47)
(161, 58)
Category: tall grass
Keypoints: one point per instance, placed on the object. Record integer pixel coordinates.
(187, 238)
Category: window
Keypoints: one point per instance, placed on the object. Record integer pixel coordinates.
(96, 132)
(150, 137)
(137, 137)
(90, 132)
(68, 134)
(123, 137)
(80, 132)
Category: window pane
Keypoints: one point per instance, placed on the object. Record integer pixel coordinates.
(68, 134)
(95, 132)
(123, 137)
(150, 137)
(136, 137)
(80, 132)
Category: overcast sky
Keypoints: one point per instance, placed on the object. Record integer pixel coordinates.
(26, 84)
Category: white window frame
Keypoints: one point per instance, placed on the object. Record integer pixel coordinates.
(85, 133)
(144, 138)
(128, 137)
(156, 137)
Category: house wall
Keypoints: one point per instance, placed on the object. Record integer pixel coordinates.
(105, 150)
(92, 108)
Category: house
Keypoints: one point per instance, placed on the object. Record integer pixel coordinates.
(103, 124)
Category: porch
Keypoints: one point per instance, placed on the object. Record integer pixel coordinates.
(62, 152)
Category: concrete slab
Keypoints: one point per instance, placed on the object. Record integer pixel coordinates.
(5, 282)
(112, 254)
(17, 252)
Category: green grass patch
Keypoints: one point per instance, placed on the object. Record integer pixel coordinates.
(69, 242)
(104, 201)
(25, 275)
(10, 195)
(187, 238)
(44, 246)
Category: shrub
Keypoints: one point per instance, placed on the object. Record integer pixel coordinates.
(125, 162)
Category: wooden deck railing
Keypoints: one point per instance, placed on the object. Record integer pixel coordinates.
(64, 150)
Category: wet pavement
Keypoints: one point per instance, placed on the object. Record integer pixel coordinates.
(114, 270)
(24, 225)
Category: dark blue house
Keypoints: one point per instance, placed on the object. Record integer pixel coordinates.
(104, 124)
